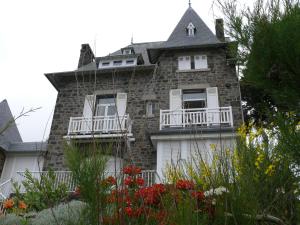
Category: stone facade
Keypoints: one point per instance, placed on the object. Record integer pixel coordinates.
(150, 84)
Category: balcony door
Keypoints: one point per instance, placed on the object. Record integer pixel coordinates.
(106, 107)
(105, 113)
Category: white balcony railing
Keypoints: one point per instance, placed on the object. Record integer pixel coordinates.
(99, 124)
(196, 117)
(150, 177)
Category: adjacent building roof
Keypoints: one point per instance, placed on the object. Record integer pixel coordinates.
(8, 129)
(10, 138)
(23, 147)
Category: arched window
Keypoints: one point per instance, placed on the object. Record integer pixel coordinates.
(190, 30)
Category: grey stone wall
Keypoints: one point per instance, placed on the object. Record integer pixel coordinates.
(140, 87)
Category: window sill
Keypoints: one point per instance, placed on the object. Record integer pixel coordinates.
(191, 71)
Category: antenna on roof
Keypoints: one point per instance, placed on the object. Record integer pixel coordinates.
(190, 4)
(131, 39)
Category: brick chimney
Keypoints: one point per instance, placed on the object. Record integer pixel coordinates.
(86, 55)
(220, 29)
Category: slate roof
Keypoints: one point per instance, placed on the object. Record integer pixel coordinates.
(179, 37)
(141, 48)
(27, 147)
(10, 139)
(11, 134)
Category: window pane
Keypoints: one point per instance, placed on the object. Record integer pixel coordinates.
(193, 96)
(106, 101)
(100, 110)
(111, 110)
(194, 104)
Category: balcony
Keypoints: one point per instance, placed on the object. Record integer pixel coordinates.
(202, 117)
(99, 125)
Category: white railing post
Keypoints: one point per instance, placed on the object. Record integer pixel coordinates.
(231, 117)
(160, 120)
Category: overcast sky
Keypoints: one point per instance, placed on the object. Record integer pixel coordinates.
(42, 36)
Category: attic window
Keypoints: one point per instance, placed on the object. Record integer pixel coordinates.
(118, 63)
(190, 30)
(105, 64)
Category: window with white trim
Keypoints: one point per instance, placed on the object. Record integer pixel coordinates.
(105, 105)
(129, 61)
(192, 99)
(190, 30)
(105, 63)
(118, 63)
(150, 108)
(194, 62)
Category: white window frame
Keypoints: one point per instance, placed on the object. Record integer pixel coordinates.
(191, 30)
(117, 63)
(195, 100)
(105, 64)
(184, 63)
(200, 62)
(150, 107)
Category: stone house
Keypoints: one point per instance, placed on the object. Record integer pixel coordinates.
(162, 102)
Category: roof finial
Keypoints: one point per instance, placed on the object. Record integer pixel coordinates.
(190, 4)
(131, 39)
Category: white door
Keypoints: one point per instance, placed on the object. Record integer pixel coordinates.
(106, 111)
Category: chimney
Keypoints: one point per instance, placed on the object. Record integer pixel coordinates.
(220, 29)
(86, 55)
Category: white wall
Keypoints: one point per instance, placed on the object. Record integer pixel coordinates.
(175, 152)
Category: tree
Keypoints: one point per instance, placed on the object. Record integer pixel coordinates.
(269, 56)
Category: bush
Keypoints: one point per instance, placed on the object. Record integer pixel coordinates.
(64, 214)
(41, 193)
(11, 219)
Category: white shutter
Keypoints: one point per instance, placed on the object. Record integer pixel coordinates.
(184, 63)
(175, 107)
(213, 112)
(89, 104)
(175, 99)
(88, 109)
(200, 61)
(121, 109)
(121, 104)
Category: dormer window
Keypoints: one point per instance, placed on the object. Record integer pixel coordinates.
(127, 51)
(190, 30)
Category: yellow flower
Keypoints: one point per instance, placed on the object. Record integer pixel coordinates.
(227, 152)
(259, 160)
(213, 146)
(270, 170)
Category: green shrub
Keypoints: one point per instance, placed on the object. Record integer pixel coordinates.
(63, 214)
(11, 219)
(41, 193)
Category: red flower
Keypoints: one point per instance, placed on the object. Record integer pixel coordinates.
(140, 181)
(184, 185)
(199, 195)
(111, 180)
(132, 170)
(129, 211)
(129, 181)
(151, 195)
